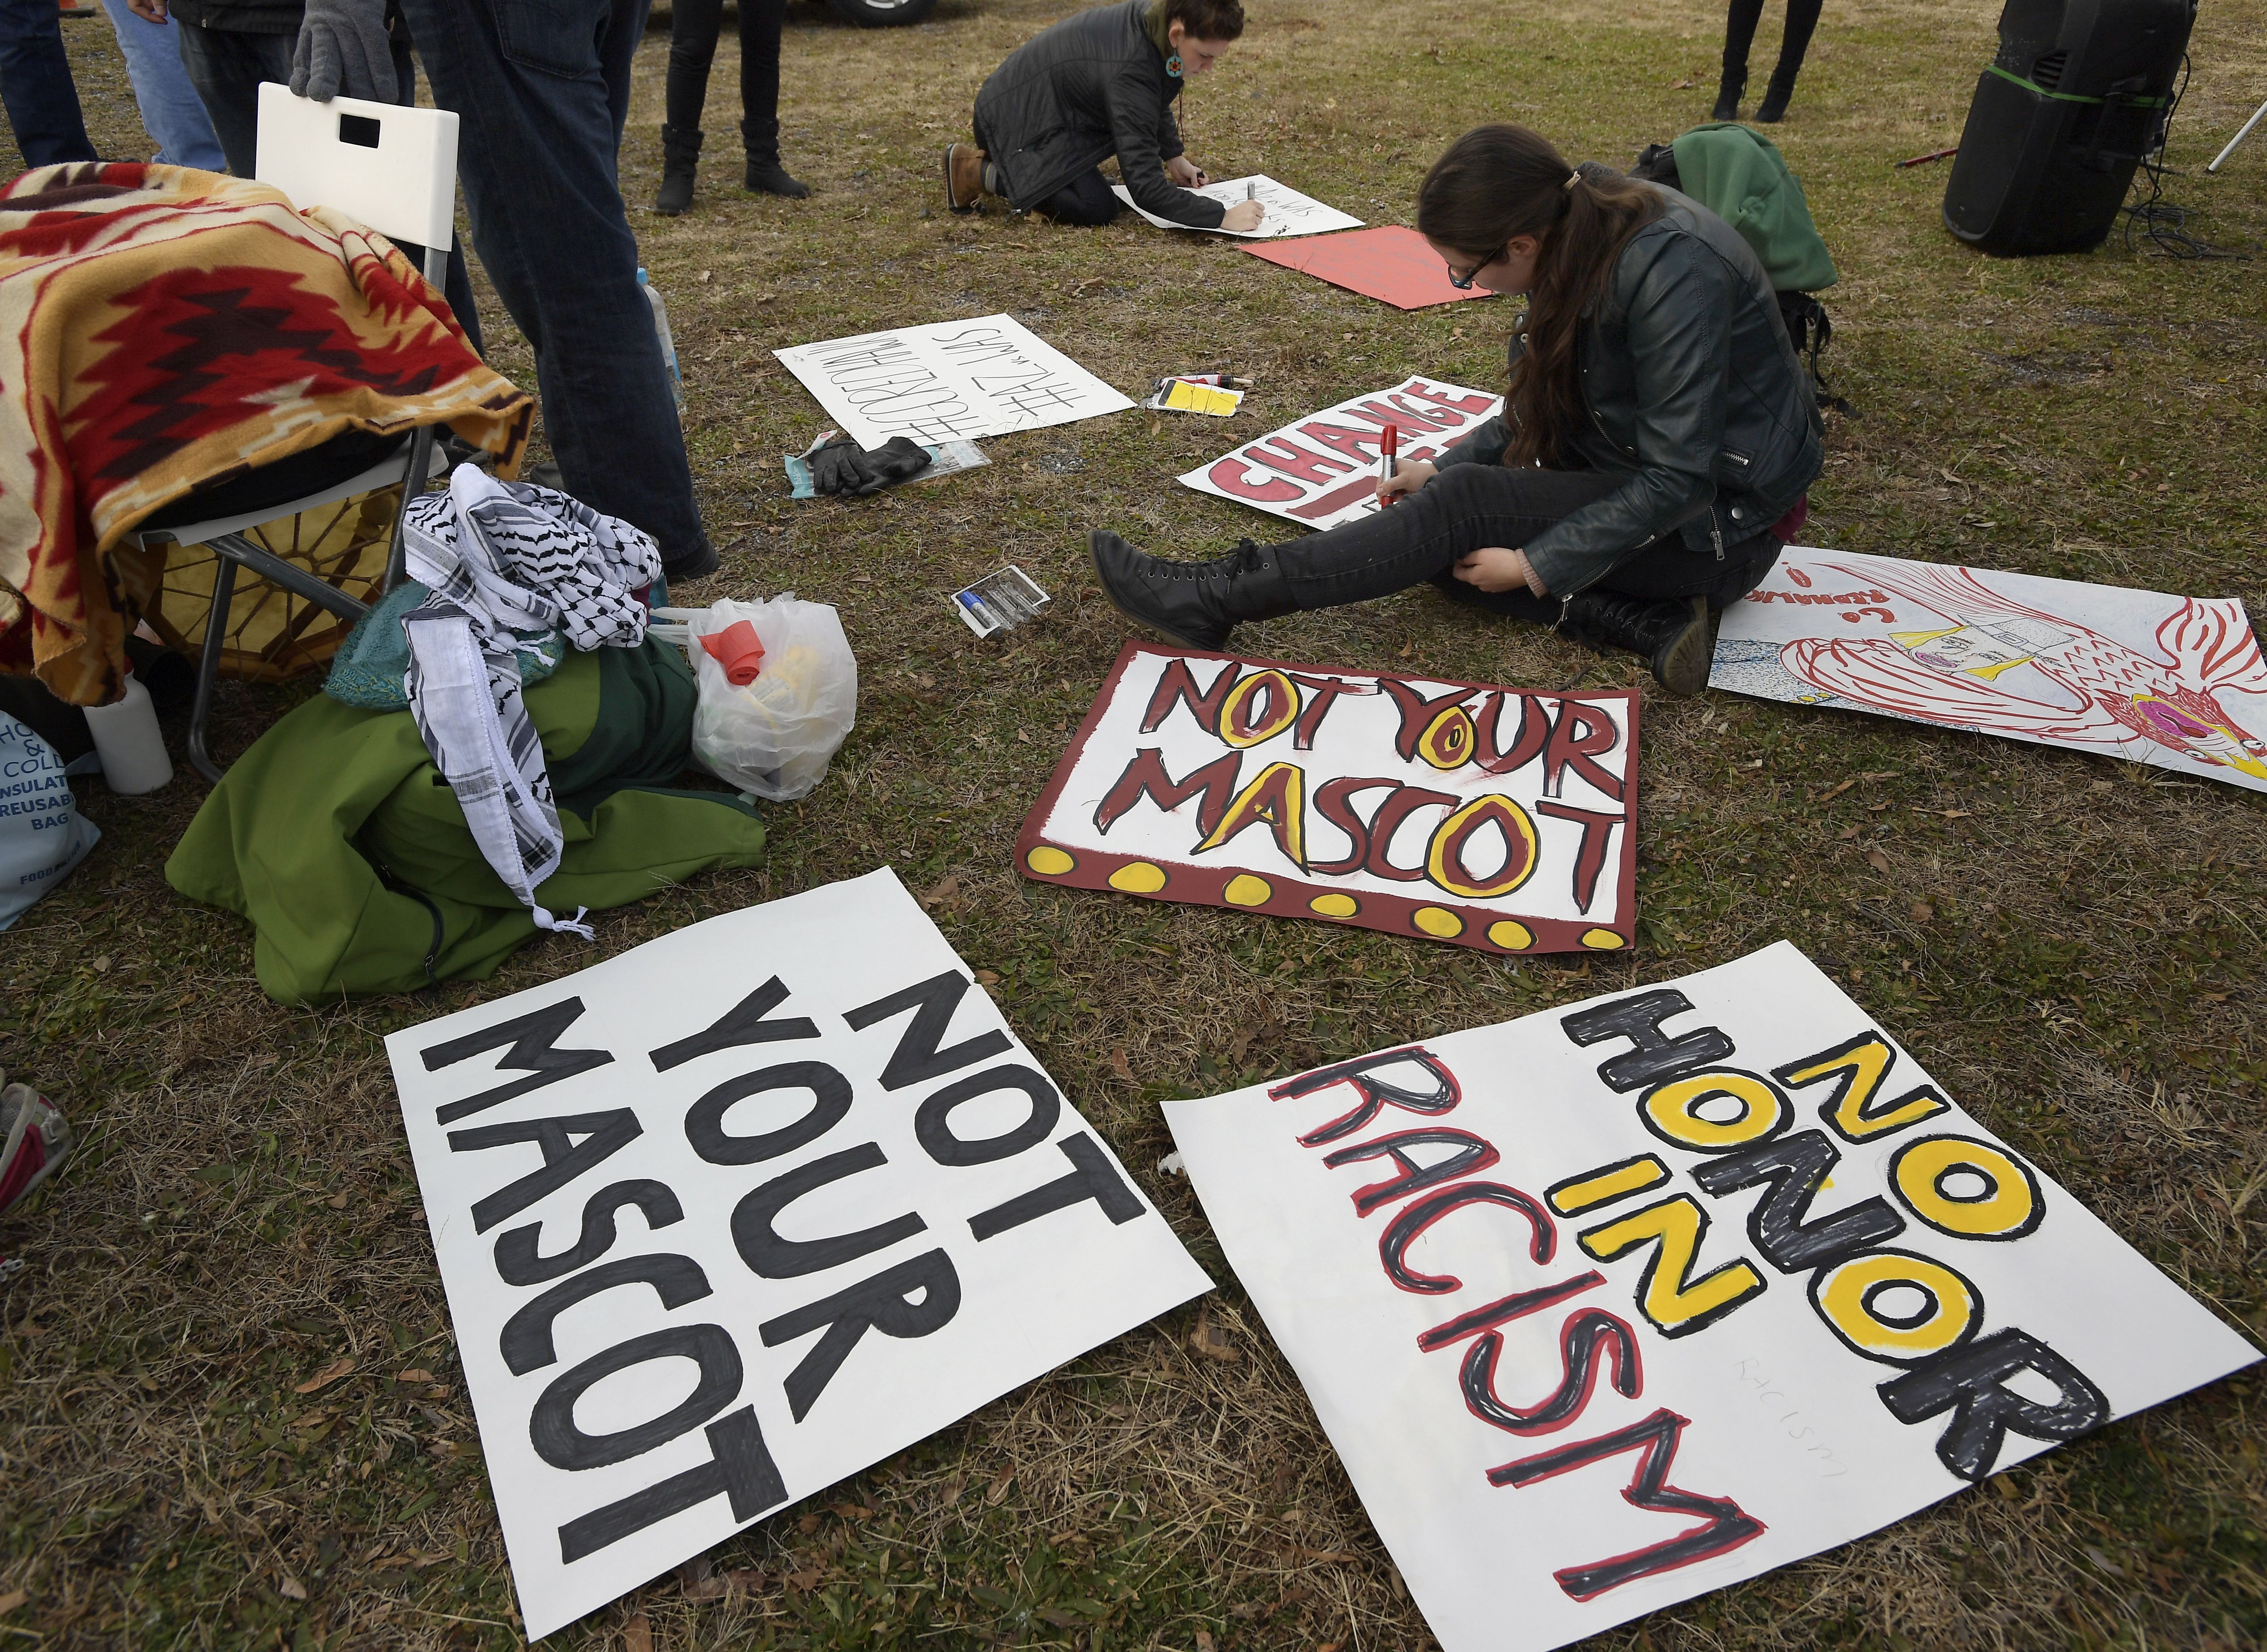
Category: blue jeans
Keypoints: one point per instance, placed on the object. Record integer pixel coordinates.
(36, 85)
(543, 90)
(172, 113)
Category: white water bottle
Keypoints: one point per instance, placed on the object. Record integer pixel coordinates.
(668, 343)
(127, 740)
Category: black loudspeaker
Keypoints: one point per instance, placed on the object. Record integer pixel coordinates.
(2078, 94)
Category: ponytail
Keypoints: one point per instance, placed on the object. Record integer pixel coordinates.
(1497, 183)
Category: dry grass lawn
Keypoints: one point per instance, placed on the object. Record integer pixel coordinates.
(2073, 945)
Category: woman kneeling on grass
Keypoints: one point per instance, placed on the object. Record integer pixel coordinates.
(1651, 461)
(1095, 84)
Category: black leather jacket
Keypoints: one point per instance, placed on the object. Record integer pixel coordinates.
(1078, 91)
(1698, 403)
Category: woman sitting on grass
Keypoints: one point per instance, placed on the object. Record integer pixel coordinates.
(1095, 84)
(1651, 460)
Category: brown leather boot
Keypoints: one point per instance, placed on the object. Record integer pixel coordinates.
(964, 176)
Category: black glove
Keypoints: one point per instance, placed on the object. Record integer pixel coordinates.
(843, 467)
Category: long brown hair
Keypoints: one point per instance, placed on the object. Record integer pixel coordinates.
(1497, 183)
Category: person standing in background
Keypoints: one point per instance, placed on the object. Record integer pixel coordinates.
(36, 85)
(172, 113)
(693, 27)
(1739, 34)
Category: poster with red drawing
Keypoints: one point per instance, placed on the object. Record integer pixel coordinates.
(1496, 818)
(1322, 470)
(2173, 681)
(1629, 1300)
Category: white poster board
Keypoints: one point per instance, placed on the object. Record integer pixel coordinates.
(1289, 212)
(744, 1210)
(947, 381)
(2173, 681)
(1322, 470)
(1616, 1304)
(1493, 818)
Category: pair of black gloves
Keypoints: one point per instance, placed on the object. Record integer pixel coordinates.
(844, 467)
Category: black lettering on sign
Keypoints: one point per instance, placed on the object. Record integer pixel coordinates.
(769, 1256)
(743, 1024)
(1472, 1155)
(740, 1466)
(1393, 1245)
(1503, 1309)
(1092, 1176)
(518, 1262)
(602, 1134)
(1727, 1525)
(704, 1119)
(917, 1056)
(1654, 1055)
(1374, 1091)
(526, 1343)
(1793, 1170)
(534, 1038)
(1580, 1341)
(880, 1304)
(933, 1124)
(559, 1442)
(1971, 1382)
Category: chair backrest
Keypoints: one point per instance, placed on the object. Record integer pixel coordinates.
(382, 165)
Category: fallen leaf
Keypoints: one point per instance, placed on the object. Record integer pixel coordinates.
(1835, 791)
(292, 1588)
(414, 1374)
(1117, 1063)
(809, 1523)
(1205, 1640)
(1876, 859)
(803, 1581)
(637, 1635)
(1682, 85)
(324, 1379)
(12, 1599)
(339, 1200)
(1211, 1342)
(988, 977)
(951, 1493)
(1408, 648)
(998, 1489)
(1847, 833)
(1922, 911)
(704, 277)
(944, 891)
(1023, 734)
(102, 964)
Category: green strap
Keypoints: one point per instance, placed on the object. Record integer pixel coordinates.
(2070, 97)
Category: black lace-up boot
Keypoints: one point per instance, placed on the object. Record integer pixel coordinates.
(1195, 603)
(1671, 635)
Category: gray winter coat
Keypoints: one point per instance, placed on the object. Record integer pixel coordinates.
(1697, 403)
(1078, 91)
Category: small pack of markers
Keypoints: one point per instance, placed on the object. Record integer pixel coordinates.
(1000, 601)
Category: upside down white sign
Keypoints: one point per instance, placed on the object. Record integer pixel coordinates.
(1617, 1304)
(860, 1211)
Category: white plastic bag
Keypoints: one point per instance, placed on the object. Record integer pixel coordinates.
(774, 737)
(42, 833)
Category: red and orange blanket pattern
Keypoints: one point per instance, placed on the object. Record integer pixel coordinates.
(162, 330)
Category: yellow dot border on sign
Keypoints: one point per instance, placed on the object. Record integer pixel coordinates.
(1138, 877)
(1437, 920)
(1334, 905)
(1049, 861)
(1603, 940)
(1243, 889)
(1510, 935)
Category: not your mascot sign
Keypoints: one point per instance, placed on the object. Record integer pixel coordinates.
(1492, 817)
(744, 1210)
(1623, 1302)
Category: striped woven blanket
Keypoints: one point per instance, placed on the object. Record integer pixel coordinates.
(162, 330)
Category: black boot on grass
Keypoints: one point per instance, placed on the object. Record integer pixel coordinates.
(765, 176)
(1772, 109)
(1727, 94)
(1195, 603)
(681, 158)
(1671, 635)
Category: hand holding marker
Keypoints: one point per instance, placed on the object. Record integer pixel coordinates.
(1388, 461)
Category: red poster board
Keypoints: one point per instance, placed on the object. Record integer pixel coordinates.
(1493, 818)
(1394, 264)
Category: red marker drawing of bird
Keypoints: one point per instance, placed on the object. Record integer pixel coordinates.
(2124, 696)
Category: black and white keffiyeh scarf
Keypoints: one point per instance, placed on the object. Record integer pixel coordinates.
(500, 556)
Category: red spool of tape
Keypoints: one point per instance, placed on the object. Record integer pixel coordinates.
(738, 650)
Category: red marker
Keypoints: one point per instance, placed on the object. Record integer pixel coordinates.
(1389, 451)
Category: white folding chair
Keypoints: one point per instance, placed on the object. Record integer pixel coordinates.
(393, 169)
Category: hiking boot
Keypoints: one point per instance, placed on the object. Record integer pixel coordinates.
(1728, 96)
(964, 177)
(1772, 109)
(1671, 634)
(1195, 603)
(690, 564)
(34, 1141)
(765, 175)
(680, 155)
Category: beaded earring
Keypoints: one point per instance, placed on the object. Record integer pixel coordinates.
(1173, 65)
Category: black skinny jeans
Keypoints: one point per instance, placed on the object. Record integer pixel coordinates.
(1467, 506)
(693, 27)
(1740, 34)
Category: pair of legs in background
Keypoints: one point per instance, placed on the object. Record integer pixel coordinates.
(1652, 600)
(694, 27)
(1740, 34)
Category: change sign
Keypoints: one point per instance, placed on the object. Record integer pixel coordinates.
(1492, 817)
(744, 1210)
(1620, 1302)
